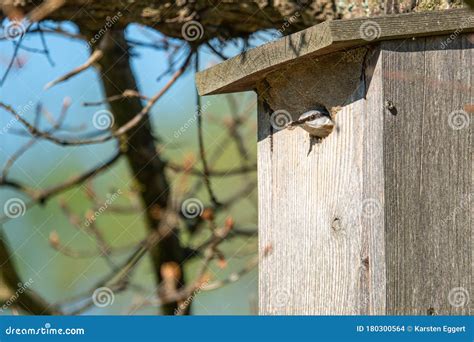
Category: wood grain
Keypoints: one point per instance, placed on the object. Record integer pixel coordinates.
(377, 217)
(428, 175)
(244, 71)
(327, 257)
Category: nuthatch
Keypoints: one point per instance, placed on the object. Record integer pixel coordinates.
(316, 122)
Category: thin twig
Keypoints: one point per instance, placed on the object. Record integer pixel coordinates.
(45, 46)
(218, 53)
(56, 126)
(212, 173)
(46, 8)
(202, 151)
(117, 133)
(42, 195)
(15, 53)
(94, 57)
(126, 94)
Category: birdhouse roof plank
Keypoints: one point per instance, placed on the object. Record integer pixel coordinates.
(242, 72)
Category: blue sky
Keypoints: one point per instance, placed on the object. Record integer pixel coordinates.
(24, 89)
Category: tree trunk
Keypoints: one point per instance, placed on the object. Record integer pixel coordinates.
(145, 162)
(15, 293)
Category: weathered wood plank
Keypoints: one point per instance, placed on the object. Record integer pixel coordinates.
(265, 198)
(327, 255)
(376, 218)
(244, 71)
(373, 195)
(428, 175)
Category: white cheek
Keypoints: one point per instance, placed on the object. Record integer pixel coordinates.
(323, 121)
(320, 127)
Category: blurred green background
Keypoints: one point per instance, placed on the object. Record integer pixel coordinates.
(59, 278)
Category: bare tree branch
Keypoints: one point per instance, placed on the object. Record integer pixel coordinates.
(202, 152)
(42, 195)
(25, 298)
(94, 57)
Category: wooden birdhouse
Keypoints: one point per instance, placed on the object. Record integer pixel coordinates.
(369, 209)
